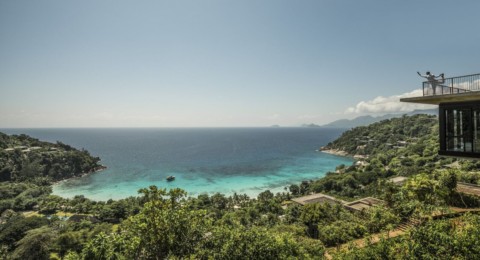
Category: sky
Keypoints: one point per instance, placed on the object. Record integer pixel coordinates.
(224, 63)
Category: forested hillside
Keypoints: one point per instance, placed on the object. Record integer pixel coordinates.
(397, 147)
(390, 135)
(23, 157)
(161, 224)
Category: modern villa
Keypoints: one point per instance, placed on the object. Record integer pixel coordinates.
(458, 99)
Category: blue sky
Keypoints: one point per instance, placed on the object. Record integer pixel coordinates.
(223, 63)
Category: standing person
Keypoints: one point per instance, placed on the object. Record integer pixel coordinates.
(432, 79)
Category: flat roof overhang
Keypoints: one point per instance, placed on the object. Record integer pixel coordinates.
(446, 98)
(463, 155)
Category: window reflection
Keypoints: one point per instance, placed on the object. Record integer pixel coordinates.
(462, 130)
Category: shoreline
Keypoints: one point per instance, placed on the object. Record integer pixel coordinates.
(97, 169)
(110, 192)
(250, 192)
(336, 152)
(253, 193)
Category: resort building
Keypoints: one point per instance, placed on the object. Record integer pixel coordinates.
(458, 99)
(357, 205)
(317, 198)
(363, 204)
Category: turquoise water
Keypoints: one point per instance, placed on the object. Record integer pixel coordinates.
(203, 160)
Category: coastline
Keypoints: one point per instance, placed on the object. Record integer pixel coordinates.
(95, 170)
(252, 186)
(336, 152)
(250, 192)
(129, 172)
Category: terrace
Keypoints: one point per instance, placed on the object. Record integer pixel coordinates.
(453, 85)
(451, 90)
(459, 113)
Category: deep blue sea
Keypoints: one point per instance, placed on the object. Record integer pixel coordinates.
(203, 160)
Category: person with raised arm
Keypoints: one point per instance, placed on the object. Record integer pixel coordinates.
(432, 79)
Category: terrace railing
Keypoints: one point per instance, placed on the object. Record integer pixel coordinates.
(453, 85)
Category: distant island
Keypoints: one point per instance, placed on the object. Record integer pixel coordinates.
(310, 125)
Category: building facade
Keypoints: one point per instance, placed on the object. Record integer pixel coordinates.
(458, 99)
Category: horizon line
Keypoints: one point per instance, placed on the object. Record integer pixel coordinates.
(138, 127)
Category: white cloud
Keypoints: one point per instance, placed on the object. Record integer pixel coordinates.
(391, 104)
(273, 117)
(470, 85)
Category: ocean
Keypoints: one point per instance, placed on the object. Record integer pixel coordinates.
(203, 160)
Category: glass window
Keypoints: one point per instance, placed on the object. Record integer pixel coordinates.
(466, 133)
(458, 130)
(476, 130)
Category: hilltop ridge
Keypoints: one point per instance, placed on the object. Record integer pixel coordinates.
(366, 120)
(385, 135)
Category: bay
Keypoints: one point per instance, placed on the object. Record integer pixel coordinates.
(203, 160)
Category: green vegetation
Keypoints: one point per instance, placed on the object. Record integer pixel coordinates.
(163, 224)
(441, 239)
(403, 146)
(23, 158)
